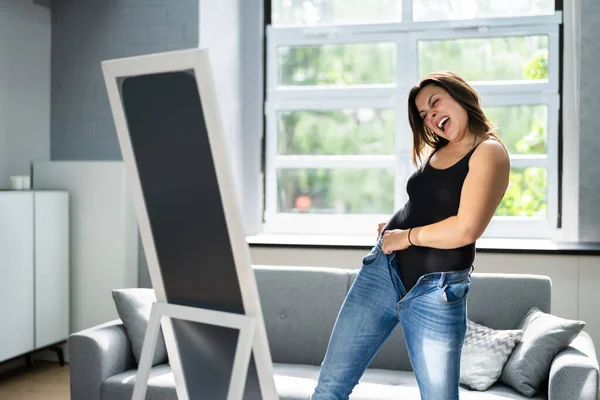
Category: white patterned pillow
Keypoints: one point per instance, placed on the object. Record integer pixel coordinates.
(485, 351)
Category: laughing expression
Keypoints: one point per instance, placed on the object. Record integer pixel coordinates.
(441, 113)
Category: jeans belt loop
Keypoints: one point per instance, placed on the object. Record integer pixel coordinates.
(442, 280)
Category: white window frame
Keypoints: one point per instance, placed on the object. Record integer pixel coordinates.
(515, 227)
(288, 223)
(405, 35)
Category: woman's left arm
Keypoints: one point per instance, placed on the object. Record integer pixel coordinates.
(482, 191)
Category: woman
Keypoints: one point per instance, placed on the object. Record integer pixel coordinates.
(418, 273)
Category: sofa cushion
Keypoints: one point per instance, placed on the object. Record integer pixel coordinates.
(545, 335)
(134, 306)
(297, 382)
(484, 353)
(295, 335)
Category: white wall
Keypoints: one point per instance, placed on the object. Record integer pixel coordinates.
(103, 234)
(220, 33)
(575, 279)
(24, 87)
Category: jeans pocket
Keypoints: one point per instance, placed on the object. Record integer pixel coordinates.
(370, 258)
(455, 292)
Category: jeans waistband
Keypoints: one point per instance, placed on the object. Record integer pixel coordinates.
(448, 277)
(439, 278)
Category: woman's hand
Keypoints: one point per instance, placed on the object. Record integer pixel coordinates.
(394, 240)
(379, 228)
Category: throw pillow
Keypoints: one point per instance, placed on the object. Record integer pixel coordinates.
(133, 307)
(485, 351)
(545, 336)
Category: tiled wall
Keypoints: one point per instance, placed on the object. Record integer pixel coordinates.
(86, 32)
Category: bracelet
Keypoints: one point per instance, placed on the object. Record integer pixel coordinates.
(409, 241)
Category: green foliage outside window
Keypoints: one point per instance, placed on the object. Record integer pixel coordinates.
(526, 195)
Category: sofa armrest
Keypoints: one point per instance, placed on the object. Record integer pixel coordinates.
(96, 354)
(574, 371)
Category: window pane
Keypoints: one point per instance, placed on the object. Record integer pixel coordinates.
(429, 10)
(526, 193)
(336, 191)
(363, 131)
(334, 12)
(337, 65)
(523, 129)
(487, 59)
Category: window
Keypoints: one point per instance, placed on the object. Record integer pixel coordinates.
(338, 142)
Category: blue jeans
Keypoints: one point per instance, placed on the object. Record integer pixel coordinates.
(433, 315)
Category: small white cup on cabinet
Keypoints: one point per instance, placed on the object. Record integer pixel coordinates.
(20, 182)
(16, 183)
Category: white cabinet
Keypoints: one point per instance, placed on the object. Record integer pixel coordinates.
(16, 274)
(34, 271)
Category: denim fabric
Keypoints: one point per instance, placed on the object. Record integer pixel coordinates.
(433, 315)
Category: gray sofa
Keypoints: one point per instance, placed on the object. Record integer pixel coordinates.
(300, 306)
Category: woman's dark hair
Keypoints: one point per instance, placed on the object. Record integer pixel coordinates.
(464, 95)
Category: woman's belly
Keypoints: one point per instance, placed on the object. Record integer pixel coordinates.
(415, 261)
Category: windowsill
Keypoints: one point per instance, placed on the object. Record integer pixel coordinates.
(485, 245)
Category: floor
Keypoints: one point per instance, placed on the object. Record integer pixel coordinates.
(42, 381)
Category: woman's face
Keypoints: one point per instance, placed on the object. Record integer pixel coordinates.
(442, 114)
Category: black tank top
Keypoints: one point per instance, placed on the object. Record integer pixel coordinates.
(433, 195)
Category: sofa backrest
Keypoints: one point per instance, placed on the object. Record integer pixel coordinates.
(300, 305)
(500, 301)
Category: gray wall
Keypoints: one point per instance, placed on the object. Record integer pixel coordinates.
(589, 135)
(24, 87)
(86, 32)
